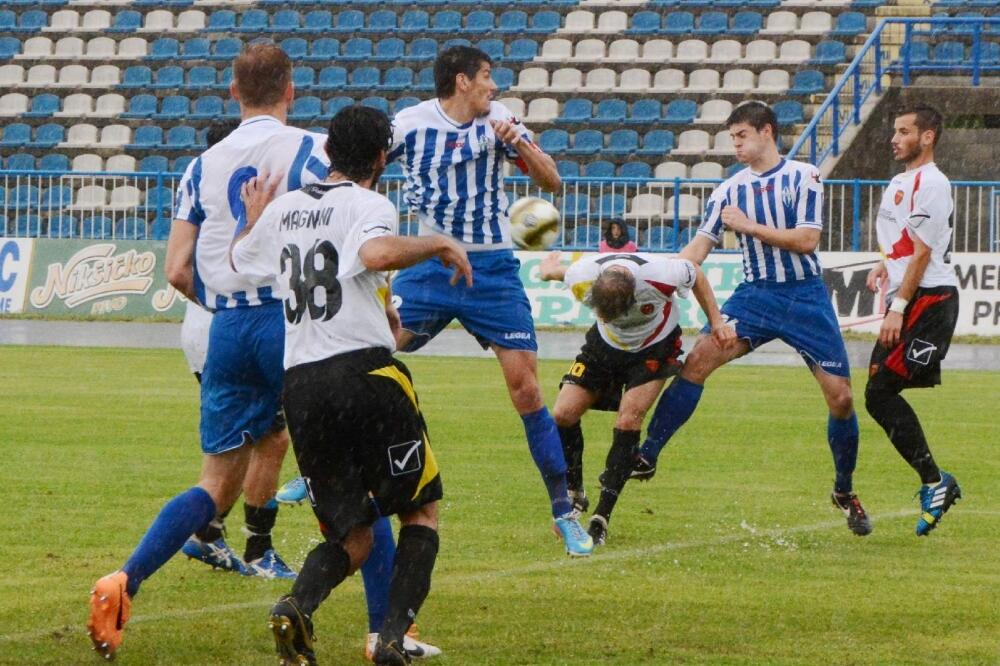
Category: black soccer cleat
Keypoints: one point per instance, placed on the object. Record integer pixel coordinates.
(857, 519)
(598, 529)
(642, 470)
(293, 634)
(391, 653)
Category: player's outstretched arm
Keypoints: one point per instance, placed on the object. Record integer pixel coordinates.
(389, 253)
(552, 267)
(722, 333)
(801, 240)
(697, 249)
(179, 264)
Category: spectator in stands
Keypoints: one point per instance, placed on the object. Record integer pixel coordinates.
(616, 238)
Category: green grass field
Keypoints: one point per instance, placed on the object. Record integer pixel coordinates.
(732, 555)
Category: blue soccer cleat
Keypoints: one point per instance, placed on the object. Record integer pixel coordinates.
(293, 492)
(216, 554)
(935, 501)
(270, 565)
(567, 527)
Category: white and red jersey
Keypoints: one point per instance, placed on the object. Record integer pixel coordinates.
(658, 281)
(917, 202)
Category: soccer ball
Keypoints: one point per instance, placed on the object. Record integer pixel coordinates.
(534, 223)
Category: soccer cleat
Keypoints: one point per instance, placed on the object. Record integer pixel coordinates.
(643, 469)
(598, 529)
(270, 565)
(293, 492)
(216, 554)
(293, 633)
(935, 501)
(579, 500)
(857, 519)
(415, 648)
(390, 654)
(567, 527)
(110, 607)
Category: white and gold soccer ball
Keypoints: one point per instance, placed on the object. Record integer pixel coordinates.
(534, 223)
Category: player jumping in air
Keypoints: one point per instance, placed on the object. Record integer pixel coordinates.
(914, 233)
(452, 150)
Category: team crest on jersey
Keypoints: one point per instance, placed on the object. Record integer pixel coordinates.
(786, 196)
(898, 197)
(652, 365)
(405, 458)
(647, 309)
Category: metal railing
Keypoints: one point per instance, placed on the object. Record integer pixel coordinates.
(842, 110)
(661, 215)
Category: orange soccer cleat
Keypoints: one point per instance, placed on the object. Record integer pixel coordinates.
(110, 607)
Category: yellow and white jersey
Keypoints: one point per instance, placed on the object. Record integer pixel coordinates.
(309, 240)
(658, 280)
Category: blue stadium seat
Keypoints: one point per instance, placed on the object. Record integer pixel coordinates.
(349, 21)
(226, 49)
(15, 135)
(807, 82)
(423, 48)
(611, 111)
(32, 21)
(425, 79)
(381, 22)
(830, 52)
(494, 48)
(173, 107)
(770, 4)
(21, 162)
(568, 169)
(23, 196)
(332, 78)
(397, 78)
(97, 227)
(415, 20)
(587, 142)
(586, 235)
(657, 142)
(171, 76)
(358, 48)
(789, 112)
(644, 23)
(140, 106)
(576, 111)
(198, 48)
(303, 77)
(389, 50)
(503, 77)
(64, 225)
(306, 108)
(458, 41)
(324, 48)
(680, 112)
(232, 110)
(146, 137)
(155, 163)
(225, 78)
(127, 20)
(990, 52)
(479, 21)
(48, 136)
(850, 24)
(296, 48)
(42, 106)
(712, 23)
(221, 20)
(949, 53)
(919, 52)
(747, 23)
(611, 205)
(363, 78)
(54, 162)
(646, 111)
(318, 20)
(181, 137)
(8, 21)
(730, 4)
(512, 22)
(599, 169)
(639, 170)
(28, 226)
(623, 142)
(661, 238)
(336, 104)
(253, 20)
(376, 102)
(164, 48)
(695, 3)
(160, 229)
(678, 23)
(202, 76)
(56, 197)
(9, 47)
(448, 22)
(552, 141)
(544, 22)
(286, 20)
(137, 76)
(575, 207)
(405, 103)
(522, 50)
(131, 228)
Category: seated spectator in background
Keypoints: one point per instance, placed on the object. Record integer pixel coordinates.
(616, 239)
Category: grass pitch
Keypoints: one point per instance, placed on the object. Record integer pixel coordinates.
(732, 555)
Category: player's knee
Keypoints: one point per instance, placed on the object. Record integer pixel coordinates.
(698, 365)
(526, 395)
(877, 398)
(564, 416)
(841, 402)
(357, 544)
(426, 515)
(630, 419)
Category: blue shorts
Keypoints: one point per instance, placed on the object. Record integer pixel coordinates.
(797, 313)
(495, 309)
(243, 376)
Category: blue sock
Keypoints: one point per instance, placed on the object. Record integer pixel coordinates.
(842, 434)
(179, 518)
(674, 408)
(546, 449)
(377, 573)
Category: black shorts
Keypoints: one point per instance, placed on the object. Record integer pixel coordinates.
(608, 372)
(359, 439)
(928, 325)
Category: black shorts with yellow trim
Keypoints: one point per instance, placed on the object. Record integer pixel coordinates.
(359, 438)
(609, 372)
(928, 326)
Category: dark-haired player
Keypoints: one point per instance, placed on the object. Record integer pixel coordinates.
(627, 356)
(914, 233)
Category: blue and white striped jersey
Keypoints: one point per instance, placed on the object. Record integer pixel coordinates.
(788, 196)
(209, 196)
(454, 173)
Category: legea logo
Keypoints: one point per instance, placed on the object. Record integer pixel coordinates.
(95, 272)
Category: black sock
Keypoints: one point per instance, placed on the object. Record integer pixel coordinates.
(901, 424)
(325, 568)
(214, 530)
(617, 467)
(411, 579)
(260, 522)
(572, 444)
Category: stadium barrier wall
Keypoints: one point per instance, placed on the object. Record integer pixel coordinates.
(113, 278)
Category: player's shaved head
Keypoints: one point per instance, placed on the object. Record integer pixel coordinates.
(262, 73)
(613, 293)
(357, 139)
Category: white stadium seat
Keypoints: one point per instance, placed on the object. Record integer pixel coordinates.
(555, 50)
(41, 75)
(703, 80)
(566, 79)
(794, 51)
(11, 75)
(737, 80)
(600, 80)
(542, 110)
(36, 48)
(816, 23)
(589, 50)
(723, 144)
(773, 81)
(668, 80)
(761, 50)
(105, 75)
(120, 164)
(115, 136)
(90, 196)
(612, 22)
(68, 47)
(158, 20)
(688, 206)
(691, 50)
(532, 78)
(77, 105)
(88, 162)
(707, 171)
(191, 20)
(64, 20)
(73, 76)
(101, 48)
(125, 196)
(692, 142)
(96, 20)
(515, 105)
(670, 170)
(780, 23)
(657, 50)
(623, 50)
(726, 51)
(645, 206)
(578, 21)
(714, 112)
(635, 80)
(13, 104)
(81, 134)
(110, 104)
(132, 47)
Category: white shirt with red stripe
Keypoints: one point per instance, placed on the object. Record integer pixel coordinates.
(917, 202)
(658, 281)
